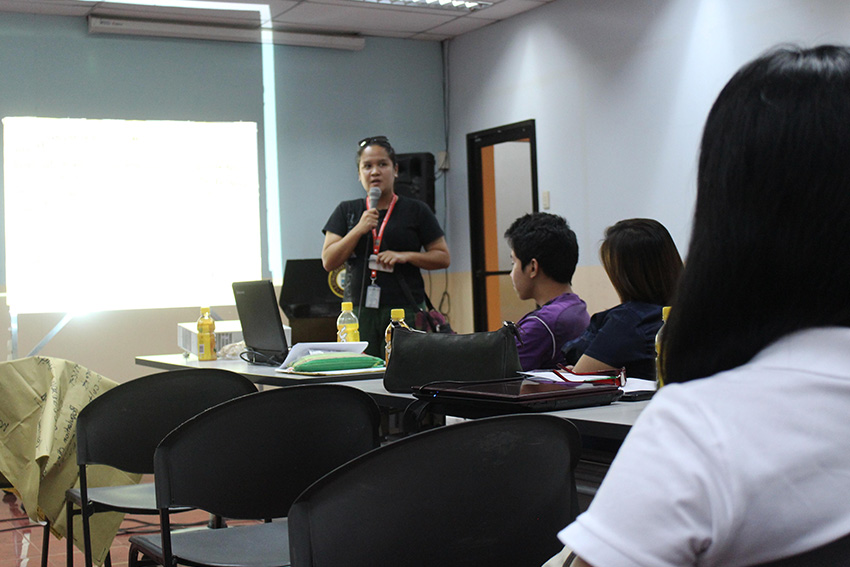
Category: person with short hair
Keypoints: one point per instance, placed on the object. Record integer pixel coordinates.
(409, 240)
(742, 457)
(643, 264)
(544, 254)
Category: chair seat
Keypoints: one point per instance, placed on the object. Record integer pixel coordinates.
(130, 499)
(255, 545)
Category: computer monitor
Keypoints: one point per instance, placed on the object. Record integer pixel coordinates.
(262, 327)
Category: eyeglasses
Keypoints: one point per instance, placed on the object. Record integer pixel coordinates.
(373, 140)
(615, 377)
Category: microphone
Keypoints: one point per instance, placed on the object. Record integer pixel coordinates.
(374, 196)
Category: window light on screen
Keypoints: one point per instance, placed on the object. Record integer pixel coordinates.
(128, 214)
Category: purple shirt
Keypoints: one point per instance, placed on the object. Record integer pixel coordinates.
(544, 331)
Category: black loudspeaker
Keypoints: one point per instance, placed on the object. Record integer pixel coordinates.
(416, 177)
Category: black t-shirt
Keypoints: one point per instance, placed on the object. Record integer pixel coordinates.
(411, 226)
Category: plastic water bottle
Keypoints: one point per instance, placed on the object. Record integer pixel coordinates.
(396, 320)
(347, 325)
(659, 377)
(206, 335)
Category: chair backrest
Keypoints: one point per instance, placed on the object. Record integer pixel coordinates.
(251, 457)
(490, 492)
(833, 554)
(122, 427)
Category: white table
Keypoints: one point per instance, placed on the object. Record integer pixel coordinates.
(257, 373)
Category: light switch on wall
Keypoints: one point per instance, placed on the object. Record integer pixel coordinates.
(545, 197)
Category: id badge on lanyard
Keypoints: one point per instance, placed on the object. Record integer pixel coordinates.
(373, 292)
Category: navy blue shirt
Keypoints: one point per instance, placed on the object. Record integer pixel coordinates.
(621, 336)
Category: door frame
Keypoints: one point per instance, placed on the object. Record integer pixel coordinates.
(475, 141)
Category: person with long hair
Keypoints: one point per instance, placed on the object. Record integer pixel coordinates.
(383, 247)
(742, 457)
(644, 266)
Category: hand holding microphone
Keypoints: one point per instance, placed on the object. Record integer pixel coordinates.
(374, 197)
(369, 218)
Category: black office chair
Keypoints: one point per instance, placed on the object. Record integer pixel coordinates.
(249, 459)
(122, 427)
(493, 492)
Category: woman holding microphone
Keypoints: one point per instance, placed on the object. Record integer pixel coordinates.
(383, 239)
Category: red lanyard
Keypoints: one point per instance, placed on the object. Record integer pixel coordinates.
(379, 235)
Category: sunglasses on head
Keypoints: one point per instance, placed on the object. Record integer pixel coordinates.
(373, 140)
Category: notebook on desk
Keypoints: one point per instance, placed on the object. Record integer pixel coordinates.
(521, 394)
(262, 327)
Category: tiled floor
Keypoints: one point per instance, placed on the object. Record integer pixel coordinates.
(22, 547)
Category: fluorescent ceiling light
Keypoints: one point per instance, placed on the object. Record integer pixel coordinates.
(462, 5)
(221, 33)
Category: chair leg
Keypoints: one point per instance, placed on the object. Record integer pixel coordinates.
(69, 534)
(86, 536)
(138, 559)
(45, 544)
(216, 522)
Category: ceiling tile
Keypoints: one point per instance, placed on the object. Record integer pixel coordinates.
(508, 8)
(328, 16)
(459, 26)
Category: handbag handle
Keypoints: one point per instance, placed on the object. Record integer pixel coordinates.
(409, 294)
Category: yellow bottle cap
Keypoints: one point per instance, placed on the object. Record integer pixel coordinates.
(205, 310)
(665, 312)
(397, 314)
(347, 306)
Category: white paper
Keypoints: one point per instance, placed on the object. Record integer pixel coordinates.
(639, 385)
(303, 349)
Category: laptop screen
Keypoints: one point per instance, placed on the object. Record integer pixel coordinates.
(262, 327)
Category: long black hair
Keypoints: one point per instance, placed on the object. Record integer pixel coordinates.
(768, 252)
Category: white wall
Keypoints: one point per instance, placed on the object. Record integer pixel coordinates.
(512, 178)
(619, 90)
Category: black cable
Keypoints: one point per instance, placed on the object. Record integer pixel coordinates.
(253, 357)
(445, 44)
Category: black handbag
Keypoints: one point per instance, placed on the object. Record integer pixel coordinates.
(418, 358)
